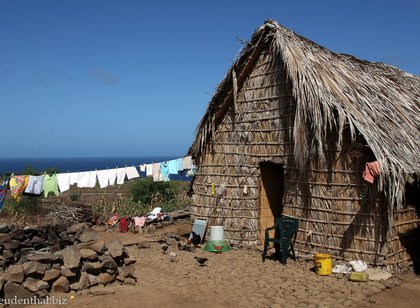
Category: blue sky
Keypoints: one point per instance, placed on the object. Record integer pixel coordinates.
(133, 78)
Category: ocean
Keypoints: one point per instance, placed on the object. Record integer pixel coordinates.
(69, 164)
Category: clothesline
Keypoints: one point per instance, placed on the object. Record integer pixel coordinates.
(61, 182)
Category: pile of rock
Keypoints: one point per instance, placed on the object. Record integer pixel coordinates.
(60, 267)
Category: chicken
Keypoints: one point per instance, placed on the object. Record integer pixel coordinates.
(172, 255)
(164, 247)
(201, 261)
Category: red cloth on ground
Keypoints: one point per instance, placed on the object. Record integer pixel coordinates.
(123, 225)
(372, 170)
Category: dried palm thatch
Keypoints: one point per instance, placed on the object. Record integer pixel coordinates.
(320, 116)
(334, 91)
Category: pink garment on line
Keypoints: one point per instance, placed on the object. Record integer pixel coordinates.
(139, 221)
(372, 170)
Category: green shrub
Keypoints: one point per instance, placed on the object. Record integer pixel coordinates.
(144, 190)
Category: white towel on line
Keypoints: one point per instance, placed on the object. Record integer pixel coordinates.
(187, 163)
(63, 180)
(149, 170)
(87, 179)
(143, 168)
(157, 176)
(74, 177)
(102, 178)
(120, 176)
(132, 172)
(112, 176)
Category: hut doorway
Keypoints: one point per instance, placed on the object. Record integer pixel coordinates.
(271, 194)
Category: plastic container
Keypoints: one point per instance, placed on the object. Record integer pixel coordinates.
(358, 276)
(210, 246)
(217, 233)
(323, 264)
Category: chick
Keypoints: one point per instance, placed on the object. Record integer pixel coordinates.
(172, 256)
(164, 247)
(201, 261)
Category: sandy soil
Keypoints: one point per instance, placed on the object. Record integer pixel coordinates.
(237, 279)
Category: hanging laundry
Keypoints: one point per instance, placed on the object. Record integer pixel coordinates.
(192, 171)
(132, 172)
(179, 162)
(3, 191)
(112, 176)
(186, 163)
(173, 166)
(50, 184)
(156, 172)
(17, 186)
(87, 179)
(74, 177)
(35, 184)
(164, 171)
(143, 168)
(372, 170)
(120, 176)
(149, 170)
(63, 181)
(139, 221)
(103, 178)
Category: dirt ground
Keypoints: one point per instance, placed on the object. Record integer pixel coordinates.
(237, 278)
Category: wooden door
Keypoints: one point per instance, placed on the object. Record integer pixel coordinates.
(271, 195)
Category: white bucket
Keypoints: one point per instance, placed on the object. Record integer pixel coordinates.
(217, 233)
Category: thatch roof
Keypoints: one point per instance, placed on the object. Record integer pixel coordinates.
(333, 91)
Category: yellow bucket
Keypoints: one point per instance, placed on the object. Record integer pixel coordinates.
(323, 264)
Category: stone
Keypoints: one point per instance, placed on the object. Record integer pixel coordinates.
(88, 236)
(108, 262)
(4, 228)
(120, 277)
(105, 278)
(8, 254)
(61, 285)
(18, 234)
(51, 274)
(42, 293)
(11, 245)
(83, 282)
(84, 245)
(37, 240)
(35, 285)
(78, 227)
(4, 238)
(43, 257)
(129, 281)
(92, 267)
(127, 271)
(56, 266)
(171, 241)
(115, 248)
(143, 245)
(14, 273)
(52, 236)
(67, 272)
(71, 256)
(98, 246)
(88, 254)
(12, 290)
(34, 268)
(377, 274)
(129, 261)
(30, 230)
(26, 243)
(93, 280)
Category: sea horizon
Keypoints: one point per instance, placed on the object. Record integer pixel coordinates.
(77, 164)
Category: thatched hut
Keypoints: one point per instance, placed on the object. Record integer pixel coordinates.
(289, 130)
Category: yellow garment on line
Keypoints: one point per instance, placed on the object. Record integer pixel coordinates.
(17, 186)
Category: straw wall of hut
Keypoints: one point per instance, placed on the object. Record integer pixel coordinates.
(263, 149)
